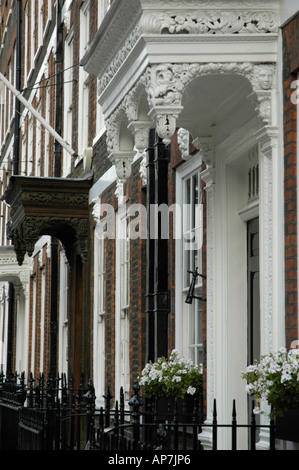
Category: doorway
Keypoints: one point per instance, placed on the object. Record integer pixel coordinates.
(253, 279)
(253, 312)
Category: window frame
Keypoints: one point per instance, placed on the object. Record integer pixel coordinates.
(189, 331)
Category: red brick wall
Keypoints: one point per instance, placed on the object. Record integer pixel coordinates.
(290, 34)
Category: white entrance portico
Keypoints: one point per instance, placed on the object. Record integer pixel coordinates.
(18, 276)
(211, 68)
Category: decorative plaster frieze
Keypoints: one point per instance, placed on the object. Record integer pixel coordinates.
(114, 40)
(210, 22)
(119, 58)
(227, 4)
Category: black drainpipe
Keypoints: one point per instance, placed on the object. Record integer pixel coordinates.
(57, 173)
(161, 252)
(10, 327)
(58, 88)
(157, 251)
(150, 265)
(16, 156)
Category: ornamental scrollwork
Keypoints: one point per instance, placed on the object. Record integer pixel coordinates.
(27, 233)
(166, 82)
(211, 22)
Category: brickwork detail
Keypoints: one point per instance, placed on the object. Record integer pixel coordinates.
(290, 67)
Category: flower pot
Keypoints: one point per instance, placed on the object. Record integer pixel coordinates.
(287, 426)
(166, 408)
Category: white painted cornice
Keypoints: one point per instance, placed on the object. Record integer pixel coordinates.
(178, 27)
(115, 34)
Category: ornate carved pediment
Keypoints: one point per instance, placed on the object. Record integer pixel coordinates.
(48, 206)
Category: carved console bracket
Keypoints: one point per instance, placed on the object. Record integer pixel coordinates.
(48, 206)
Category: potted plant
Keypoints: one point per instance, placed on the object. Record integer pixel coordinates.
(275, 379)
(169, 379)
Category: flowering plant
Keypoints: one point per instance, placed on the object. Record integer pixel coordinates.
(175, 377)
(275, 379)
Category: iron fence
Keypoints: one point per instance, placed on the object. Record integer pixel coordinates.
(53, 414)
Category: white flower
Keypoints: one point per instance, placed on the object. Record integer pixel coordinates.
(177, 378)
(191, 390)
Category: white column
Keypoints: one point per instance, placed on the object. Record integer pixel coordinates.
(208, 176)
(272, 240)
(271, 251)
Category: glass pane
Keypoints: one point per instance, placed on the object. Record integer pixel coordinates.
(187, 203)
(195, 200)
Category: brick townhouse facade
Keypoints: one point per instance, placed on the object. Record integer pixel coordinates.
(178, 103)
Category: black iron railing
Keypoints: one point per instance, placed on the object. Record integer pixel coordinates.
(53, 414)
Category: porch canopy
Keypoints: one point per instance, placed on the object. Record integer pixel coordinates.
(56, 207)
(147, 53)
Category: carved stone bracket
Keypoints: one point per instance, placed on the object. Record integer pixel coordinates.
(48, 206)
(140, 129)
(206, 147)
(122, 162)
(184, 142)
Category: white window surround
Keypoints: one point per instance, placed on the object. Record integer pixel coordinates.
(122, 369)
(186, 315)
(83, 80)
(26, 29)
(63, 312)
(99, 316)
(68, 100)
(49, 18)
(3, 327)
(38, 146)
(33, 323)
(42, 316)
(31, 146)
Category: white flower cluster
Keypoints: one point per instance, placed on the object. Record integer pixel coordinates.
(171, 373)
(278, 367)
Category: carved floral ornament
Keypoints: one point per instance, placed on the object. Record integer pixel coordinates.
(210, 22)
